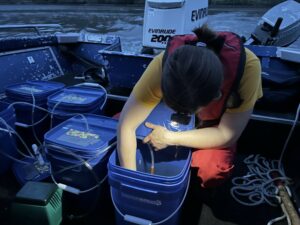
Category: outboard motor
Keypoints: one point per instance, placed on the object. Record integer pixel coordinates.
(165, 18)
(280, 26)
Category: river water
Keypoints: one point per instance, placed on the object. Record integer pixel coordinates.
(125, 21)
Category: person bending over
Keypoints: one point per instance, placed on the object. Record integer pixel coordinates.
(209, 74)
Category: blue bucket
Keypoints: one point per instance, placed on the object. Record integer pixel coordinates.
(75, 100)
(79, 158)
(168, 164)
(143, 198)
(39, 89)
(24, 92)
(140, 197)
(7, 139)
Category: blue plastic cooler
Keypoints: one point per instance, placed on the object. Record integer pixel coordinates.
(7, 139)
(25, 92)
(33, 92)
(169, 164)
(140, 197)
(74, 100)
(39, 89)
(78, 150)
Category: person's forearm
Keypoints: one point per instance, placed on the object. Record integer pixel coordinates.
(224, 135)
(127, 148)
(205, 138)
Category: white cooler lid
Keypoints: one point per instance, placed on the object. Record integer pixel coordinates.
(166, 4)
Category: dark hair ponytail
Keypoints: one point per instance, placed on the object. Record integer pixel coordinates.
(210, 38)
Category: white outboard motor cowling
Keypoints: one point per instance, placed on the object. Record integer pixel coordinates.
(165, 18)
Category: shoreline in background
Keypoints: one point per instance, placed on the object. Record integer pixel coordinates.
(212, 3)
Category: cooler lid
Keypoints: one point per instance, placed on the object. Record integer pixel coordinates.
(165, 4)
(40, 89)
(76, 96)
(161, 115)
(88, 134)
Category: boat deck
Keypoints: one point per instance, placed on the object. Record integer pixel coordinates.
(202, 206)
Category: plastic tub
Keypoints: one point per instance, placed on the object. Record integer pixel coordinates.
(149, 199)
(70, 147)
(74, 100)
(27, 114)
(69, 144)
(39, 89)
(140, 197)
(170, 164)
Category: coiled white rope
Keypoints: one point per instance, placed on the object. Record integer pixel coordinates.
(259, 184)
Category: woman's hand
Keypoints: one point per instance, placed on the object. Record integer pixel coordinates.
(159, 138)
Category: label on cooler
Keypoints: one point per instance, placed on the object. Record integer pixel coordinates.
(79, 137)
